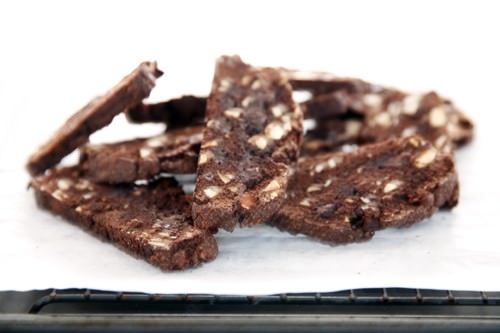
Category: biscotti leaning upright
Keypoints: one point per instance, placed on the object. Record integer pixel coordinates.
(99, 112)
(251, 138)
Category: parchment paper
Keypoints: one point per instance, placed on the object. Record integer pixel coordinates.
(55, 70)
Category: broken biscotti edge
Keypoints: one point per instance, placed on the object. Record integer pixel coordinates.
(345, 197)
(250, 141)
(151, 222)
(130, 91)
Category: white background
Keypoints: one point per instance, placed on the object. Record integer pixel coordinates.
(56, 55)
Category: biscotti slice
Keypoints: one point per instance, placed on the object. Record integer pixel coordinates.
(131, 90)
(252, 136)
(390, 113)
(319, 83)
(428, 115)
(151, 222)
(346, 197)
(175, 151)
(175, 113)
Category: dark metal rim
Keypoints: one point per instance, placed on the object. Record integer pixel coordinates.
(360, 297)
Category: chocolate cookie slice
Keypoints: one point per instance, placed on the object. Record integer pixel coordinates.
(252, 136)
(175, 151)
(178, 112)
(131, 90)
(152, 222)
(373, 117)
(323, 83)
(428, 115)
(346, 197)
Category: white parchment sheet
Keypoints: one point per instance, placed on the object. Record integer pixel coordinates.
(53, 61)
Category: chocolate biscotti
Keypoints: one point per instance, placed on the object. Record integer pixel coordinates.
(358, 118)
(152, 221)
(373, 157)
(175, 151)
(131, 90)
(178, 112)
(251, 139)
(345, 197)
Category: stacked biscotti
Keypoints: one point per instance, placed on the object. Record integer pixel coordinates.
(374, 157)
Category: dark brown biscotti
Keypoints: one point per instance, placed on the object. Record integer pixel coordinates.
(252, 137)
(391, 113)
(346, 197)
(331, 135)
(152, 222)
(175, 151)
(342, 102)
(428, 115)
(178, 112)
(131, 90)
(322, 83)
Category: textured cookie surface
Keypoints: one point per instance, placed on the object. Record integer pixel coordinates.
(353, 111)
(130, 91)
(151, 222)
(390, 115)
(252, 136)
(175, 151)
(345, 197)
(428, 115)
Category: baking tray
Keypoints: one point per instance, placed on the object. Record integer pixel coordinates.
(361, 310)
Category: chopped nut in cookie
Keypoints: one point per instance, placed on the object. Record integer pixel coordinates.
(409, 131)
(394, 109)
(279, 109)
(275, 130)
(212, 191)
(224, 85)
(59, 194)
(259, 140)
(205, 156)
(314, 188)
(437, 116)
(383, 119)
(411, 104)
(64, 184)
(272, 186)
(392, 185)
(257, 84)
(247, 200)
(233, 113)
(305, 202)
(426, 157)
(373, 101)
(145, 152)
(247, 101)
(226, 177)
(210, 143)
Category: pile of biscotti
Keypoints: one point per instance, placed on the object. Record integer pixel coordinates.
(374, 157)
